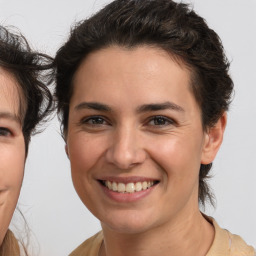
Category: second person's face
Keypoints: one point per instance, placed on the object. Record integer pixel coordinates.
(135, 138)
(12, 149)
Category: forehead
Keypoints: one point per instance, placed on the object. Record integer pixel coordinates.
(142, 71)
(140, 57)
(9, 93)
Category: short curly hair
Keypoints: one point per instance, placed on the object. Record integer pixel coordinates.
(173, 27)
(29, 69)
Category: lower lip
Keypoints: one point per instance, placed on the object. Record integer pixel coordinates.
(127, 197)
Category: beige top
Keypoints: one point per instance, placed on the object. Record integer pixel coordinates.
(224, 244)
(10, 245)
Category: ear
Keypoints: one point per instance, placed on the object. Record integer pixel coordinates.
(213, 140)
(66, 150)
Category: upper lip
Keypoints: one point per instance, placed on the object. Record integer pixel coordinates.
(125, 180)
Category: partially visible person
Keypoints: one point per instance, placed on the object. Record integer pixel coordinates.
(25, 100)
(143, 89)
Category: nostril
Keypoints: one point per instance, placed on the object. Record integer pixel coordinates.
(125, 157)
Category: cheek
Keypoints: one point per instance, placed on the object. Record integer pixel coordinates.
(12, 159)
(179, 163)
(178, 156)
(84, 153)
(12, 166)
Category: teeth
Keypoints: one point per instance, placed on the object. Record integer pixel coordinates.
(114, 186)
(144, 185)
(108, 184)
(138, 186)
(129, 187)
(120, 187)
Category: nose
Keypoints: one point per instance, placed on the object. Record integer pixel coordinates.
(125, 149)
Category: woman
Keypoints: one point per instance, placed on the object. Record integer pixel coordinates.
(143, 89)
(24, 102)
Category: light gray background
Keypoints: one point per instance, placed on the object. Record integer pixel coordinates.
(56, 217)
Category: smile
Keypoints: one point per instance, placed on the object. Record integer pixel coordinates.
(129, 187)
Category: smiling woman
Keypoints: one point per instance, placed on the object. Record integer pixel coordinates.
(146, 144)
(21, 89)
(143, 89)
(12, 149)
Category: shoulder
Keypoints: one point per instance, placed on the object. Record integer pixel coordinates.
(10, 245)
(239, 247)
(89, 247)
(228, 244)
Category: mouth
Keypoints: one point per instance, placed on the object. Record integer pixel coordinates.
(131, 187)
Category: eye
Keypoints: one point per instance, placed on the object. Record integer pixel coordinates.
(5, 132)
(160, 121)
(94, 121)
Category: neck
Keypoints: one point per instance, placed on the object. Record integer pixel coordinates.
(185, 235)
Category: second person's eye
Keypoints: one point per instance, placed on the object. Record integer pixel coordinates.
(94, 120)
(160, 121)
(4, 132)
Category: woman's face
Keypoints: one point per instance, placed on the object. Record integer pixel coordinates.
(12, 150)
(135, 138)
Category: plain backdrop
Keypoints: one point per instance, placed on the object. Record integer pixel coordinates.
(58, 221)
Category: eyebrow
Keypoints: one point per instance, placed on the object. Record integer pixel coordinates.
(93, 105)
(143, 108)
(10, 116)
(159, 106)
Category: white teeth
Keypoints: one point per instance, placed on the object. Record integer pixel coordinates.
(138, 186)
(144, 185)
(108, 184)
(129, 187)
(121, 187)
(114, 186)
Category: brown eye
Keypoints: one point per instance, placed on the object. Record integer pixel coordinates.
(160, 121)
(5, 132)
(94, 120)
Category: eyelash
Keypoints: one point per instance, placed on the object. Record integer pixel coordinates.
(93, 119)
(164, 121)
(5, 132)
(167, 121)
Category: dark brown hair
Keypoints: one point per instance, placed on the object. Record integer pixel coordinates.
(170, 26)
(29, 68)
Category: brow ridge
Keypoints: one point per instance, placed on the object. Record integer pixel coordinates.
(159, 106)
(8, 115)
(93, 105)
(143, 108)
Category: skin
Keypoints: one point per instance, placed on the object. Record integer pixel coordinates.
(12, 148)
(146, 125)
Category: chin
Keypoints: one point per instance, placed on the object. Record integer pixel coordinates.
(126, 228)
(128, 223)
